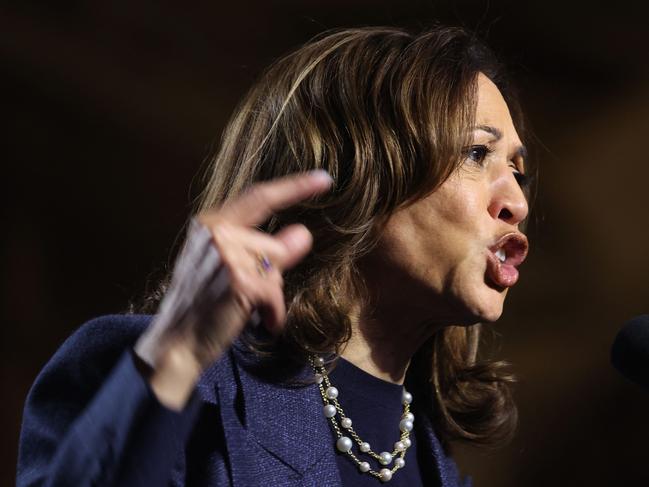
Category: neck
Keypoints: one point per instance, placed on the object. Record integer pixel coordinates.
(383, 343)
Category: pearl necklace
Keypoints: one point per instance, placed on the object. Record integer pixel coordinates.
(342, 426)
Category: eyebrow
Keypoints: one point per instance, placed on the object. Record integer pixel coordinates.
(521, 150)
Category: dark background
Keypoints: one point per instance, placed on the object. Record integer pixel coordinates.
(110, 109)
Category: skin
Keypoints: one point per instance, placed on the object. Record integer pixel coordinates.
(428, 271)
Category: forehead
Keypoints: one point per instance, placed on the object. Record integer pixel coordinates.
(492, 110)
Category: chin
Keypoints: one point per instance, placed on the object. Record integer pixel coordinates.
(491, 315)
(486, 306)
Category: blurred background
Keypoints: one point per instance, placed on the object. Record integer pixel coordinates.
(111, 108)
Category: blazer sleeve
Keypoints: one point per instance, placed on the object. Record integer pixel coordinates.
(91, 419)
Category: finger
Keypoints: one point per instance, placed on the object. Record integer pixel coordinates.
(259, 202)
(250, 288)
(273, 309)
(297, 242)
(285, 248)
(262, 292)
(238, 245)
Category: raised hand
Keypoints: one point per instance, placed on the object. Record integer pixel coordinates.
(243, 275)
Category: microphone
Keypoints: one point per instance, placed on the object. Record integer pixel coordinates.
(630, 351)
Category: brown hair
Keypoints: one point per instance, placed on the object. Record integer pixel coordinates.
(387, 113)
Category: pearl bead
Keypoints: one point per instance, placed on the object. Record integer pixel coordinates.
(364, 467)
(406, 397)
(385, 474)
(318, 361)
(399, 446)
(409, 417)
(386, 458)
(329, 411)
(365, 447)
(344, 444)
(346, 423)
(319, 378)
(405, 425)
(399, 462)
(406, 442)
(331, 392)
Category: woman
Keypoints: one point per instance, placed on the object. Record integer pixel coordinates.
(365, 207)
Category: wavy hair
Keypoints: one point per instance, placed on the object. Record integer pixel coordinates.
(388, 114)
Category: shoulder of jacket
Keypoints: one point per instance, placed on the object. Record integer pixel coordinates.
(106, 332)
(92, 350)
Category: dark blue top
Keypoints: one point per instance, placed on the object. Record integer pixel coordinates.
(375, 408)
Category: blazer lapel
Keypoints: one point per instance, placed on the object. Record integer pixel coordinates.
(444, 466)
(286, 422)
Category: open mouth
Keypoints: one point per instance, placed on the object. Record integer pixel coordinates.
(504, 257)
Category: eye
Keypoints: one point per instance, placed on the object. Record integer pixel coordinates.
(478, 153)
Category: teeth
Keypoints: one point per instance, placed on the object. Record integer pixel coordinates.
(501, 255)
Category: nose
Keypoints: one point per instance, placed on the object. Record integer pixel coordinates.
(508, 202)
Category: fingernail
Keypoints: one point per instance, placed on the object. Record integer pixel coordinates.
(321, 174)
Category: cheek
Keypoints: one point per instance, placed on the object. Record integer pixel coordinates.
(461, 239)
(454, 228)
(459, 208)
(435, 242)
(439, 234)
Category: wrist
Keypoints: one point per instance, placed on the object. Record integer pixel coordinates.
(174, 375)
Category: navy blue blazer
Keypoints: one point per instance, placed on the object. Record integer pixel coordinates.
(90, 419)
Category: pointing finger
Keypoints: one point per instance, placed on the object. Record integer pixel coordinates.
(258, 203)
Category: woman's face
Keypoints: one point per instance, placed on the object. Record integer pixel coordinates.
(452, 256)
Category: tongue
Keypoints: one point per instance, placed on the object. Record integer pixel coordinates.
(502, 275)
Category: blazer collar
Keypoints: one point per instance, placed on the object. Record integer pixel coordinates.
(286, 420)
(444, 467)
